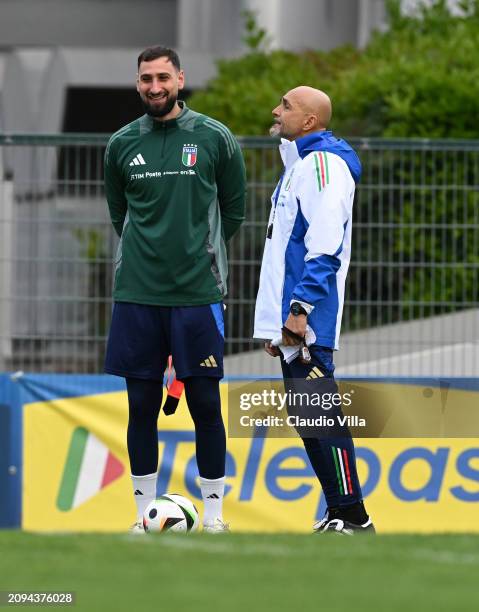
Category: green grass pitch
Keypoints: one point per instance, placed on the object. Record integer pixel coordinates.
(247, 572)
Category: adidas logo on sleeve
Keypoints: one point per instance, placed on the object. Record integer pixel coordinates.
(138, 160)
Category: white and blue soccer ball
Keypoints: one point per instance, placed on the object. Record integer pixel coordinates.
(171, 512)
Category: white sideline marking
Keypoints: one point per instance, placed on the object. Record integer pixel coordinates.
(228, 547)
(181, 541)
(211, 544)
(446, 556)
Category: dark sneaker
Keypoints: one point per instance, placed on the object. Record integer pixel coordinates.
(319, 526)
(341, 527)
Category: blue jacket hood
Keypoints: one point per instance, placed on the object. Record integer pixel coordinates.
(325, 141)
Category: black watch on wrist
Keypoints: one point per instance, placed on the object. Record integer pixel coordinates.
(296, 309)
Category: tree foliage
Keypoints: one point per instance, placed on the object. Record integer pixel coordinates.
(418, 79)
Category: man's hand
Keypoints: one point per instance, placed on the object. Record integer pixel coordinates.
(296, 324)
(271, 350)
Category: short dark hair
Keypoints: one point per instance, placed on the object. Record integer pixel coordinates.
(152, 53)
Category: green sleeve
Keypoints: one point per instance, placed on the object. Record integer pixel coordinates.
(231, 184)
(115, 189)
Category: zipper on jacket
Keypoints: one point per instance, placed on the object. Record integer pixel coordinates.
(164, 128)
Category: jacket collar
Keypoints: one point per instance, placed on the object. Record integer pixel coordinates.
(321, 141)
(289, 153)
(313, 142)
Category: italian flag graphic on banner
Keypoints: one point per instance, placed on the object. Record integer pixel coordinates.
(89, 468)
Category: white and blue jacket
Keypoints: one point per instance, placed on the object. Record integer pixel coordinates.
(307, 251)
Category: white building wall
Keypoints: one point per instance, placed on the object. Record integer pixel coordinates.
(209, 27)
(57, 44)
(98, 23)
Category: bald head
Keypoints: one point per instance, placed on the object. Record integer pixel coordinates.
(314, 102)
(302, 110)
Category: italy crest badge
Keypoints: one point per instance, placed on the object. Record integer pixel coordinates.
(190, 153)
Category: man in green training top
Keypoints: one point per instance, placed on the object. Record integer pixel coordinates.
(175, 185)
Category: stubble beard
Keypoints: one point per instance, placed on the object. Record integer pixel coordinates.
(159, 111)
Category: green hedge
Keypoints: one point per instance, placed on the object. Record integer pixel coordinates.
(418, 79)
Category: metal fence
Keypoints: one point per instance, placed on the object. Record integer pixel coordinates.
(411, 300)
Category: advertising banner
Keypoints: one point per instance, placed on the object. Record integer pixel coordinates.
(76, 474)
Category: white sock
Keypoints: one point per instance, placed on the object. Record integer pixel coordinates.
(144, 490)
(212, 492)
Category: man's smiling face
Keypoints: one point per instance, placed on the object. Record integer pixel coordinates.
(158, 83)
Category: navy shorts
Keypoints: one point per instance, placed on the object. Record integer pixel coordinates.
(142, 337)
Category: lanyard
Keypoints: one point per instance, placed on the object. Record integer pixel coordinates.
(269, 232)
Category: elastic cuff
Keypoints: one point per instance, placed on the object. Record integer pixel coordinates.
(211, 481)
(146, 476)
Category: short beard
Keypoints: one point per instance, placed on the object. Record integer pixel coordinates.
(154, 111)
(275, 130)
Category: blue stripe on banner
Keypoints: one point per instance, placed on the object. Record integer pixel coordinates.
(11, 451)
(47, 387)
(217, 310)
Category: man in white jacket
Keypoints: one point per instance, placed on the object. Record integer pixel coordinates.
(301, 293)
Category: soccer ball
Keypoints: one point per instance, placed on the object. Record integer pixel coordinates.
(171, 512)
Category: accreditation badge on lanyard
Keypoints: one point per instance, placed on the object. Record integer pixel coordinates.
(269, 233)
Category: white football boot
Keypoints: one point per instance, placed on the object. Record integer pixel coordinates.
(137, 528)
(216, 527)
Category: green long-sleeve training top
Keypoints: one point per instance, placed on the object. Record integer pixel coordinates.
(176, 193)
